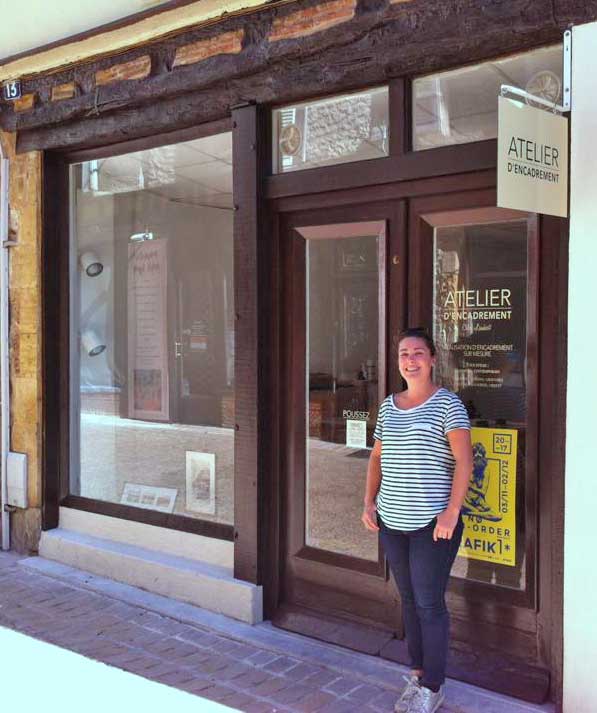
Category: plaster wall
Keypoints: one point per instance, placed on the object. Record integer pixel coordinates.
(580, 574)
(69, 17)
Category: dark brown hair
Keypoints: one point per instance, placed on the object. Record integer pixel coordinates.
(419, 333)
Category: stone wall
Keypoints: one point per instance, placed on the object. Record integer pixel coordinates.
(25, 332)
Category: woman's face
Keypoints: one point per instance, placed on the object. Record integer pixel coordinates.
(414, 360)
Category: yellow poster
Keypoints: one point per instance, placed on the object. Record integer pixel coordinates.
(489, 510)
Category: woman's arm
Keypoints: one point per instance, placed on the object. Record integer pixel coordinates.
(369, 518)
(462, 450)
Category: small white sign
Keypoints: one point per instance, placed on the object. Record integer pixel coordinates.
(532, 170)
(356, 434)
(201, 482)
(149, 497)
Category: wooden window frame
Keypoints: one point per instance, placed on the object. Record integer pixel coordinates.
(56, 341)
(426, 215)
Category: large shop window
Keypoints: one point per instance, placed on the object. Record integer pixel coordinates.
(338, 129)
(461, 106)
(152, 329)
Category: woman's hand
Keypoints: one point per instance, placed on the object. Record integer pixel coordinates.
(446, 524)
(369, 517)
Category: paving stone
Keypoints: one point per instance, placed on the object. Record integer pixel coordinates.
(197, 685)
(213, 664)
(164, 647)
(313, 702)
(322, 679)
(175, 677)
(364, 693)
(239, 701)
(217, 692)
(341, 705)
(281, 664)
(342, 685)
(240, 651)
(289, 695)
(301, 671)
(262, 658)
(263, 707)
(232, 671)
(385, 701)
(271, 685)
(252, 679)
(195, 660)
(198, 637)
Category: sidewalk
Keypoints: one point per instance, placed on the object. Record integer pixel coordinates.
(256, 669)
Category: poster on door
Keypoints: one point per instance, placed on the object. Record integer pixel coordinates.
(148, 389)
(489, 510)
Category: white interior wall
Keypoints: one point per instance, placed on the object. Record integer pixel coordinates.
(580, 572)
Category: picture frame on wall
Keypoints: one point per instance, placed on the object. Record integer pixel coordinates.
(201, 482)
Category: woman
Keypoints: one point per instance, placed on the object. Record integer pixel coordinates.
(417, 479)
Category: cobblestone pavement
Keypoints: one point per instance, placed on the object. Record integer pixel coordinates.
(216, 667)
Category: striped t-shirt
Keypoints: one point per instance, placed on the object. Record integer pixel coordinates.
(417, 465)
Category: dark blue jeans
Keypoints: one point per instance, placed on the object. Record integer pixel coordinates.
(421, 568)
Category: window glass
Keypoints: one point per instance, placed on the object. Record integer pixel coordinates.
(152, 329)
(339, 129)
(461, 106)
(343, 357)
(480, 329)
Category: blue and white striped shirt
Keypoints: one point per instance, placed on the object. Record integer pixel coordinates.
(417, 464)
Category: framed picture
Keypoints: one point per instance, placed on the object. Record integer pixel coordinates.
(149, 497)
(201, 482)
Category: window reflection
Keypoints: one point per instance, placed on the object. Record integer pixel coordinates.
(460, 106)
(338, 129)
(480, 328)
(152, 336)
(343, 381)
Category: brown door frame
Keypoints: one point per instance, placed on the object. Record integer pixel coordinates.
(301, 566)
(548, 343)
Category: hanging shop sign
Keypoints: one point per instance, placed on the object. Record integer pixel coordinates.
(489, 510)
(532, 167)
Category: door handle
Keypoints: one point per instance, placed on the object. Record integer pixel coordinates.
(178, 350)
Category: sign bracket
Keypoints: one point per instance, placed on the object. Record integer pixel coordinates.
(566, 104)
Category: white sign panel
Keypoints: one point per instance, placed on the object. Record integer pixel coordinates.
(356, 434)
(532, 159)
(147, 337)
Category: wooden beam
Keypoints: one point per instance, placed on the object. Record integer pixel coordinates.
(252, 447)
(382, 40)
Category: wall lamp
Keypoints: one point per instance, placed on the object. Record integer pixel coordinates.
(90, 262)
(91, 343)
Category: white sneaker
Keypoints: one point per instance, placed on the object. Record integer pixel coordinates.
(407, 695)
(426, 701)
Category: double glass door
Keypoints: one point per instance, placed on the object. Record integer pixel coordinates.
(466, 271)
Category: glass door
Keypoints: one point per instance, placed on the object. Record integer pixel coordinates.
(336, 369)
(474, 283)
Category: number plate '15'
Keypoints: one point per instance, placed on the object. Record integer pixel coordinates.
(11, 90)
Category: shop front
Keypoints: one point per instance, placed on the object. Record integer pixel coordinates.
(224, 281)
(357, 265)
